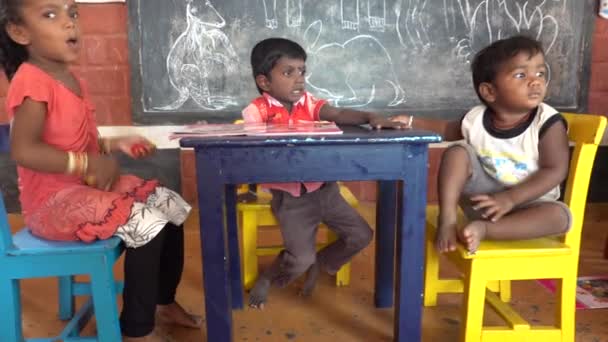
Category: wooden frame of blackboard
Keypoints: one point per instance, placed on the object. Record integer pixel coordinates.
(142, 116)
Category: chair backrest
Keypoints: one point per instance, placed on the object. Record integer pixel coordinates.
(4, 138)
(585, 131)
(5, 230)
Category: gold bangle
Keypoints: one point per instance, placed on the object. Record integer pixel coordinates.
(71, 163)
(77, 164)
(81, 164)
(85, 163)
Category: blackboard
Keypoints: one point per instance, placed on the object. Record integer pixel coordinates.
(190, 58)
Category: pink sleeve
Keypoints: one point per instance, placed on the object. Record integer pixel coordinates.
(251, 114)
(27, 85)
(314, 107)
(256, 112)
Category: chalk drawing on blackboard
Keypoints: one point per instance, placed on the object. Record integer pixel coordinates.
(349, 14)
(270, 13)
(200, 57)
(491, 20)
(376, 15)
(351, 85)
(416, 35)
(294, 13)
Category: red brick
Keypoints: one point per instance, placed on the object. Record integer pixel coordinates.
(103, 18)
(107, 80)
(369, 191)
(120, 111)
(601, 28)
(598, 102)
(106, 50)
(599, 77)
(187, 163)
(109, 110)
(188, 175)
(600, 49)
(101, 110)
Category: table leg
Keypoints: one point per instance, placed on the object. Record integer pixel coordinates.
(211, 194)
(410, 251)
(386, 211)
(234, 258)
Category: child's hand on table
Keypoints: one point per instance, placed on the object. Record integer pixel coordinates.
(380, 122)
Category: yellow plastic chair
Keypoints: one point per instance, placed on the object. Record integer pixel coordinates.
(487, 273)
(258, 213)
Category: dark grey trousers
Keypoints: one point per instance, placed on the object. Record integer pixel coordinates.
(299, 218)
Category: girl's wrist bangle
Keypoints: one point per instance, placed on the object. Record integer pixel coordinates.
(410, 121)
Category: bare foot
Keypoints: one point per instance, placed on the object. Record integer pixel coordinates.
(311, 280)
(472, 234)
(152, 337)
(446, 239)
(176, 314)
(257, 295)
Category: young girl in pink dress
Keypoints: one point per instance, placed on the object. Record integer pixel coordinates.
(70, 183)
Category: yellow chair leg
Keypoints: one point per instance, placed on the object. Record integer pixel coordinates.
(505, 290)
(343, 275)
(567, 307)
(249, 224)
(473, 305)
(431, 273)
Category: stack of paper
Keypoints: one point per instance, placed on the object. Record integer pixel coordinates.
(257, 129)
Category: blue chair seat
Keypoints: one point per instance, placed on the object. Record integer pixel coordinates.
(25, 243)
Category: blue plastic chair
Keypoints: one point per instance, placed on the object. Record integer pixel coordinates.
(23, 255)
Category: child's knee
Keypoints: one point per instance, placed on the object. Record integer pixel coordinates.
(562, 211)
(362, 238)
(302, 262)
(457, 159)
(456, 152)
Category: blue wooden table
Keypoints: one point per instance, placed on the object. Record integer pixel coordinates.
(392, 157)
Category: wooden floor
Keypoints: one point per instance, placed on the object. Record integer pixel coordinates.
(339, 314)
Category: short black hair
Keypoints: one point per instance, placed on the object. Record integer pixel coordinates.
(267, 52)
(489, 59)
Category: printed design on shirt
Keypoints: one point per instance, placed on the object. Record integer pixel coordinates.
(270, 110)
(507, 167)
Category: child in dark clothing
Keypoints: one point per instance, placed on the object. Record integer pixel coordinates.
(279, 67)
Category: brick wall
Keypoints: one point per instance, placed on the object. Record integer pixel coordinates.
(104, 63)
(598, 88)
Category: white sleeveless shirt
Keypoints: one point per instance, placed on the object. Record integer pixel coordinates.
(509, 156)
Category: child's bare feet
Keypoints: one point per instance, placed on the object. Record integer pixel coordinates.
(311, 280)
(175, 314)
(446, 239)
(152, 337)
(257, 295)
(472, 234)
